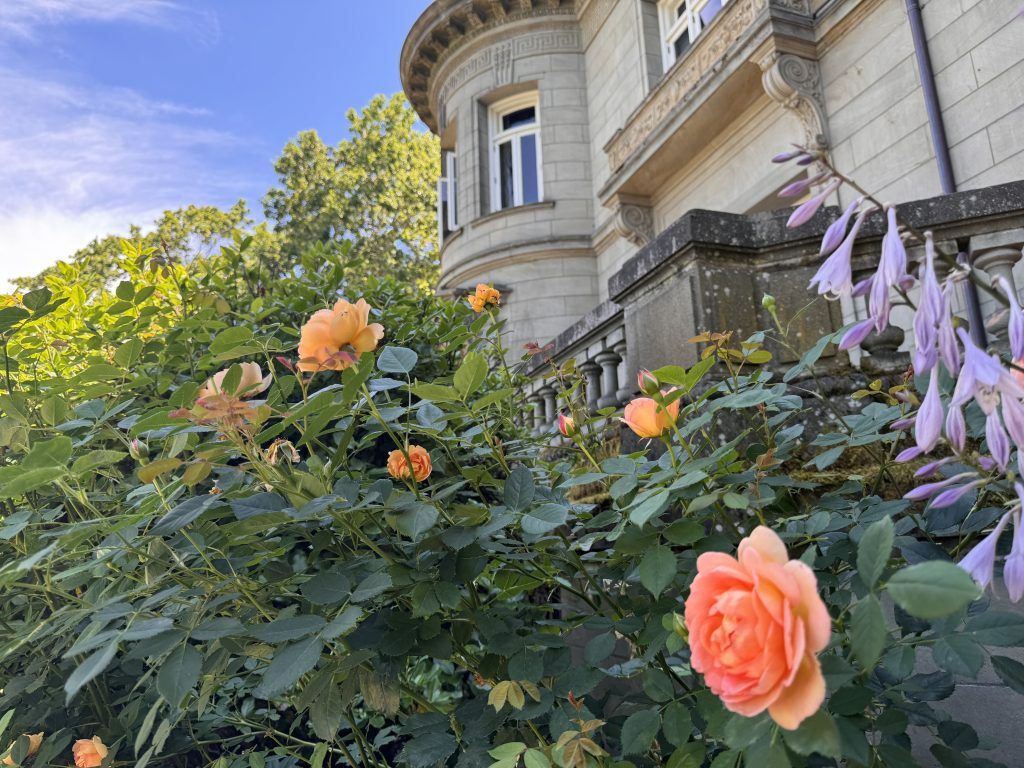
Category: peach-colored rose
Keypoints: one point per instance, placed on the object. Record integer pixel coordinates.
(648, 419)
(756, 624)
(333, 339)
(566, 425)
(35, 740)
(483, 296)
(89, 753)
(251, 383)
(398, 467)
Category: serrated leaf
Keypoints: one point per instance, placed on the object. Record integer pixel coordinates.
(658, 569)
(288, 665)
(639, 731)
(371, 586)
(179, 674)
(89, 669)
(874, 550)
(933, 589)
(1010, 671)
(397, 360)
(818, 733)
(519, 489)
(471, 374)
(288, 628)
(544, 518)
(867, 631)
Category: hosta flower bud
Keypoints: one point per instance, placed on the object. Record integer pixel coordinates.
(647, 382)
(768, 302)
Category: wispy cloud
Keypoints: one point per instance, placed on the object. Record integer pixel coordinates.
(22, 18)
(80, 160)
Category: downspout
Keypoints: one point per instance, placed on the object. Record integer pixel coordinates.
(942, 158)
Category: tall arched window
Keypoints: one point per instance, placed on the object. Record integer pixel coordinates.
(515, 152)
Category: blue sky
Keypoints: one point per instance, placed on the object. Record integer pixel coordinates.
(114, 110)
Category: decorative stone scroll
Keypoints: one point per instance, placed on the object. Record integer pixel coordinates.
(795, 82)
(634, 221)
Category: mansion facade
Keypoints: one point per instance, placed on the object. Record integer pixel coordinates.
(606, 163)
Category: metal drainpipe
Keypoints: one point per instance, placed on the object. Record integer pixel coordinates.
(942, 158)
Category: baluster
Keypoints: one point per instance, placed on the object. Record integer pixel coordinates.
(592, 372)
(609, 362)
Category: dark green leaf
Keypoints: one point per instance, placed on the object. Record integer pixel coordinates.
(288, 628)
(639, 731)
(89, 669)
(519, 489)
(874, 549)
(288, 665)
(397, 360)
(818, 733)
(867, 631)
(658, 569)
(544, 518)
(178, 674)
(1010, 671)
(933, 589)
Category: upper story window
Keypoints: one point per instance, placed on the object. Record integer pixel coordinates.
(448, 195)
(515, 152)
(681, 22)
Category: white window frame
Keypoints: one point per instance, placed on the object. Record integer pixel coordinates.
(448, 187)
(500, 136)
(672, 27)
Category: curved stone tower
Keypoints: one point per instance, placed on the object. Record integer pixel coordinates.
(516, 197)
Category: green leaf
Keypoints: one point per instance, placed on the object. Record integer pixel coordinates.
(471, 374)
(653, 505)
(414, 519)
(11, 316)
(184, 514)
(96, 459)
(933, 589)
(37, 299)
(544, 518)
(371, 586)
(435, 393)
(89, 669)
(873, 551)
(507, 750)
(519, 489)
(959, 654)
(689, 755)
(397, 360)
(677, 723)
(326, 711)
(326, 588)
(867, 631)
(288, 665)
(818, 733)
(639, 731)
(229, 339)
(658, 569)
(1000, 628)
(288, 628)
(1010, 671)
(534, 758)
(767, 755)
(24, 481)
(150, 472)
(49, 453)
(179, 674)
(599, 648)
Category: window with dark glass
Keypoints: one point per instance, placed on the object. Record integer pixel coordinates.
(447, 195)
(515, 153)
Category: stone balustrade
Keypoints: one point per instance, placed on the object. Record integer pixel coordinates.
(597, 343)
(709, 271)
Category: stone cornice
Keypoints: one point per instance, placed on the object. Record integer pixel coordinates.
(447, 25)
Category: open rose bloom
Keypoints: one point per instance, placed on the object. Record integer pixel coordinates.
(398, 467)
(252, 382)
(89, 753)
(333, 339)
(756, 623)
(483, 296)
(649, 419)
(229, 408)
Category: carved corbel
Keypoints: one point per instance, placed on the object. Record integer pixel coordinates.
(634, 221)
(504, 64)
(795, 82)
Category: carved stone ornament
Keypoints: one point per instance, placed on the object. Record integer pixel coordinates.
(635, 223)
(504, 63)
(795, 82)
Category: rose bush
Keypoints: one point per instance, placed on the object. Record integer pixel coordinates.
(251, 524)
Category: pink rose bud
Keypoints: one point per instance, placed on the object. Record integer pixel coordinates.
(647, 382)
(567, 425)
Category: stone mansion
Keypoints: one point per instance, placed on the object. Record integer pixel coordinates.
(606, 162)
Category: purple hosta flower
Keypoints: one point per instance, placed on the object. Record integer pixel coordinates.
(1016, 325)
(951, 496)
(1013, 570)
(980, 562)
(928, 426)
(908, 454)
(956, 428)
(900, 424)
(801, 186)
(932, 467)
(931, 310)
(806, 211)
(998, 442)
(856, 335)
(863, 287)
(891, 270)
(949, 350)
(785, 157)
(836, 232)
(834, 278)
(987, 463)
(928, 490)
(982, 377)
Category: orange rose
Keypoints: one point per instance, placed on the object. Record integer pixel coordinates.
(34, 742)
(333, 339)
(251, 383)
(483, 296)
(649, 419)
(398, 467)
(89, 753)
(755, 626)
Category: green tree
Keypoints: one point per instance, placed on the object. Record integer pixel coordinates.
(377, 188)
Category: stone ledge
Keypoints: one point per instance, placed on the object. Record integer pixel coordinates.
(762, 232)
(603, 314)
